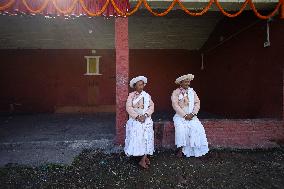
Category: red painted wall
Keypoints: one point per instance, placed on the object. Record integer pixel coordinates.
(242, 79)
(162, 67)
(40, 80)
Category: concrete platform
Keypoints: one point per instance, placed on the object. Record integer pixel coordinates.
(35, 139)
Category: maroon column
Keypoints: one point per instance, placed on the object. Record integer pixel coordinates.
(282, 9)
(122, 70)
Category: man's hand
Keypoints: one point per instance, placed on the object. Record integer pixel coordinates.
(141, 118)
(189, 117)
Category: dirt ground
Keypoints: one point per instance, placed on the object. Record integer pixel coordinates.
(95, 169)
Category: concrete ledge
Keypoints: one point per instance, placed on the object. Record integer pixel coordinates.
(230, 133)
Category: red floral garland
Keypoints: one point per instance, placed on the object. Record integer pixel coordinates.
(120, 8)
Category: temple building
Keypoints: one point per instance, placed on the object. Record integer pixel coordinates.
(69, 60)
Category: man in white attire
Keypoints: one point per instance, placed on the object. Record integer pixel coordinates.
(190, 137)
(139, 139)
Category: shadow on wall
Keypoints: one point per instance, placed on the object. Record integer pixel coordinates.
(241, 79)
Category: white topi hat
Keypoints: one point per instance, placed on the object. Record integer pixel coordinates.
(136, 79)
(184, 77)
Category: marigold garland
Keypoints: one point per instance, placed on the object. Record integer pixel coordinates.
(235, 14)
(98, 13)
(162, 13)
(71, 7)
(204, 10)
(68, 10)
(127, 13)
(37, 11)
(135, 9)
(268, 16)
(8, 5)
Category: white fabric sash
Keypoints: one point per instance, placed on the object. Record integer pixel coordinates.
(190, 94)
(146, 97)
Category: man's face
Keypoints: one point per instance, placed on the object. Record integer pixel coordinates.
(185, 84)
(139, 86)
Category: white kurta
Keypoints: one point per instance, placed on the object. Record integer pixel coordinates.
(190, 135)
(139, 139)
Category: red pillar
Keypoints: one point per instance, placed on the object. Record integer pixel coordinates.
(283, 93)
(282, 9)
(122, 70)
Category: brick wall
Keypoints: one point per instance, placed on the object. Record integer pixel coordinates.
(242, 133)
